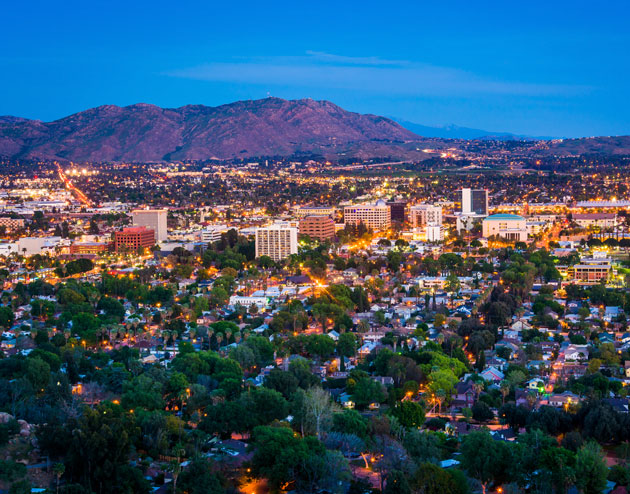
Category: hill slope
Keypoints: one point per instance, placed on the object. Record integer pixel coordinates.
(142, 132)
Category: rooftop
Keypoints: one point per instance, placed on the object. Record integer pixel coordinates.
(499, 217)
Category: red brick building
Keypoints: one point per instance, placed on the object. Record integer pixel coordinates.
(320, 227)
(134, 238)
(89, 248)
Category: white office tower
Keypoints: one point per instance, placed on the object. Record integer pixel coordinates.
(276, 241)
(425, 214)
(475, 201)
(375, 216)
(155, 219)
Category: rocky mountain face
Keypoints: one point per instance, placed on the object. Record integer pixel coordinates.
(142, 132)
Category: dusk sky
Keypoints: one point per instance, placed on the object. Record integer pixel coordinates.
(538, 68)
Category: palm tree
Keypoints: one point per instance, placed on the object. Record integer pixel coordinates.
(58, 470)
(477, 388)
(505, 389)
(440, 396)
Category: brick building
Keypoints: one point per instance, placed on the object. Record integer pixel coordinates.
(134, 238)
(320, 227)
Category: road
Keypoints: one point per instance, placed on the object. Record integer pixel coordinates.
(70, 186)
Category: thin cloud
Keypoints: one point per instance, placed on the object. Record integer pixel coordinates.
(367, 74)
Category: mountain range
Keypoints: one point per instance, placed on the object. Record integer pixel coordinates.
(457, 132)
(266, 127)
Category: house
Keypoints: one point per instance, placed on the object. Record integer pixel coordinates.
(563, 400)
(464, 395)
(346, 400)
(535, 384)
(384, 380)
(521, 325)
(576, 352)
(492, 374)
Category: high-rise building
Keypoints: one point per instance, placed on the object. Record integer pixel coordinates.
(398, 211)
(134, 238)
(320, 227)
(155, 219)
(425, 214)
(475, 201)
(375, 216)
(276, 241)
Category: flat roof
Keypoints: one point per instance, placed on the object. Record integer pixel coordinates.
(504, 216)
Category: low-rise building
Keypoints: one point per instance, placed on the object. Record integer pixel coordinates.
(508, 226)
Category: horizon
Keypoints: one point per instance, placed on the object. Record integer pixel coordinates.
(538, 70)
(403, 123)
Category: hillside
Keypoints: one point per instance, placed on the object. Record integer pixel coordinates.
(145, 132)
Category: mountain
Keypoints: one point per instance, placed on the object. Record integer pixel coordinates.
(142, 132)
(457, 132)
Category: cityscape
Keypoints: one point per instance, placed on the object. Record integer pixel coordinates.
(298, 292)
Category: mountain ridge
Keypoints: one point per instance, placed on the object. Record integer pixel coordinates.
(143, 132)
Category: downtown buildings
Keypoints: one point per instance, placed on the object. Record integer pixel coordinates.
(154, 219)
(375, 216)
(277, 241)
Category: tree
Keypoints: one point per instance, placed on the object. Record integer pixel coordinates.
(591, 469)
(350, 422)
(98, 448)
(318, 409)
(281, 457)
(281, 381)
(37, 372)
(396, 483)
(408, 413)
(6, 317)
(452, 283)
(431, 479)
(504, 387)
(199, 478)
(367, 391)
(424, 446)
(560, 463)
(58, 470)
(481, 412)
(346, 347)
(481, 457)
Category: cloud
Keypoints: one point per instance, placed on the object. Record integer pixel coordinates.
(366, 74)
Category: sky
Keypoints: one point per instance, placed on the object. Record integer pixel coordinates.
(554, 68)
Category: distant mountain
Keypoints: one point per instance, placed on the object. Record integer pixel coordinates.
(142, 132)
(266, 127)
(457, 132)
(604, 145)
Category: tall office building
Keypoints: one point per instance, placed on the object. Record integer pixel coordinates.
(424, 215)
(397, 211)
(276, 241)
(155, 219)
(475, 201)
(375, 216)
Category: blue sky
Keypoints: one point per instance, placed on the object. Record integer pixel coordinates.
(539, 68)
